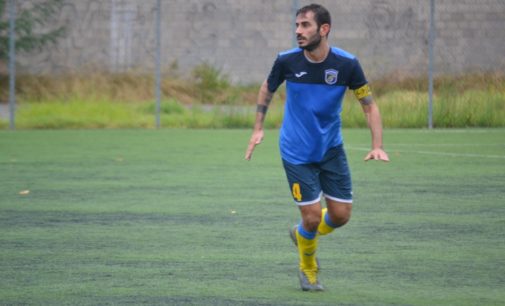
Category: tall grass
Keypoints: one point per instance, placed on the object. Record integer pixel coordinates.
(207, 99)
(81, 114)
(473, 100)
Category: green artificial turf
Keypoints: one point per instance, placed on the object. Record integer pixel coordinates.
(178, 217)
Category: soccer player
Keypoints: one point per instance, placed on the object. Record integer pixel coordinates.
(311, 145)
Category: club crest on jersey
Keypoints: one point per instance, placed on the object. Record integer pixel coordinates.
(330, 76)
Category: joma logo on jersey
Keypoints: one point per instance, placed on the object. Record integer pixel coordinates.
(330, 76)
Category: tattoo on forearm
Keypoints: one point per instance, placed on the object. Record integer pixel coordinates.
(366, 100)
(261, 109)
(268, 99)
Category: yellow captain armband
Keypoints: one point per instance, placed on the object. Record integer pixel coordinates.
(362, 92)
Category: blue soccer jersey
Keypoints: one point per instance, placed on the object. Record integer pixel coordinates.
(312, 123)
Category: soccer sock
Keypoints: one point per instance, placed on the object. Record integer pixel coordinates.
(326, 226)
(307, 246)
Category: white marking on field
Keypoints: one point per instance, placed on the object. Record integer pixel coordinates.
(451, 154)
(450, 145)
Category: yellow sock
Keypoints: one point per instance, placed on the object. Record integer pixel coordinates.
(324, 228)
(307, 251)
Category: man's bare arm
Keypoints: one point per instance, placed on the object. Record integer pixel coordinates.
(263, 102)
(374, 121)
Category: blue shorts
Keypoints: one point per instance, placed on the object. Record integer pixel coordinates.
(330, 177)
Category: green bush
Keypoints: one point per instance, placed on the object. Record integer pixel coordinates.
(210, 83)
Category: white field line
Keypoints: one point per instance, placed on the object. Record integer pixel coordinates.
(431, 153)
(450, 145)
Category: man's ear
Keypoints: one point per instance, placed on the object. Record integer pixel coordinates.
(324, 29)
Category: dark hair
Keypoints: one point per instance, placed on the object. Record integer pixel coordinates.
(321, 14)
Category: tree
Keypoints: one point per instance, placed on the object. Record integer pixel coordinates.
(29, 21)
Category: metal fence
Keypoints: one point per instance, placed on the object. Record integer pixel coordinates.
(392, 38)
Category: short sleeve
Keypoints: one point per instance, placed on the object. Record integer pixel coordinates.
(276, 76)
(357, 78)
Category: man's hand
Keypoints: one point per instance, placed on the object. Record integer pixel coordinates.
(377, 154)
(255, 140)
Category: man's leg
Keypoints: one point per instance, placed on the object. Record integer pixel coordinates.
(336, 183)
(336, 215)
(306, 236)
(306, 191)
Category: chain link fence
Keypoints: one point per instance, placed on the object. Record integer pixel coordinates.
(240, 38)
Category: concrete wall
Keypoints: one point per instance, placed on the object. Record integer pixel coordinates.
(242, 37)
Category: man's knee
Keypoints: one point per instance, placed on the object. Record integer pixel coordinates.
(340, 213)
(342, 220)
(311, 217)
(311, 222)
